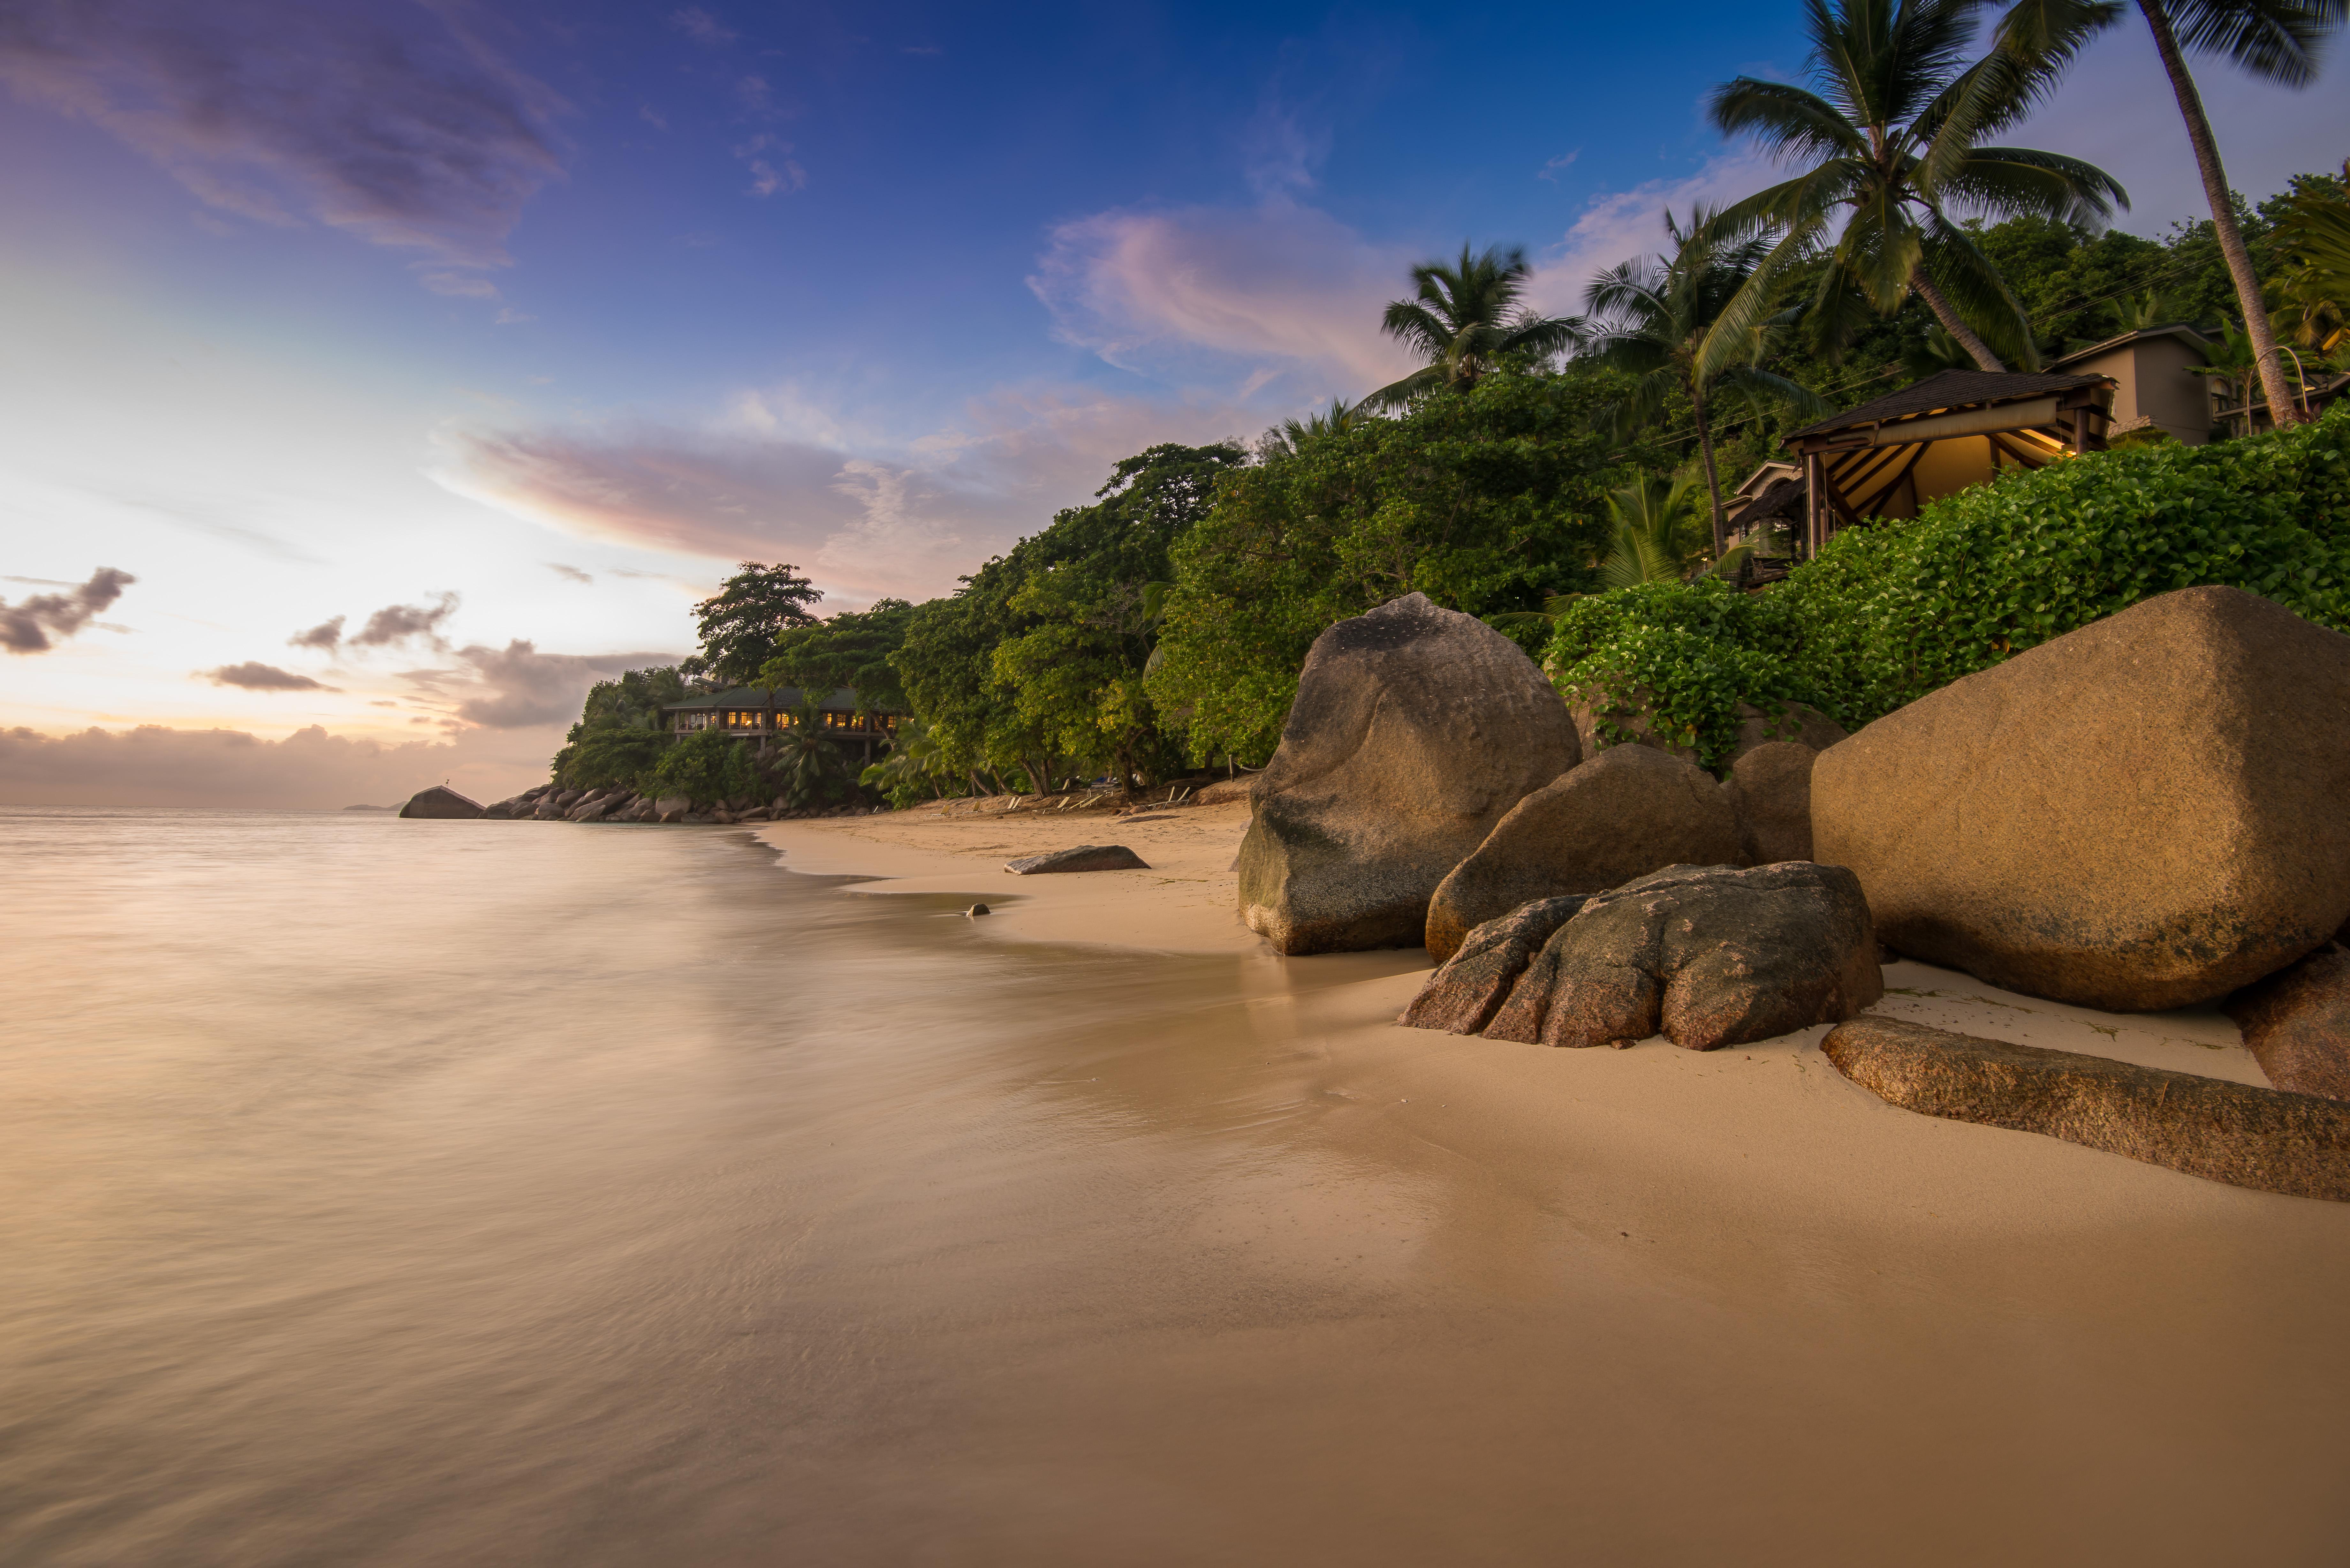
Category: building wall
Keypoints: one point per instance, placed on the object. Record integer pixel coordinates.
(2153, 382)
(1950, 465)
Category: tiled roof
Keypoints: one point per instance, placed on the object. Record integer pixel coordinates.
(1949, 390)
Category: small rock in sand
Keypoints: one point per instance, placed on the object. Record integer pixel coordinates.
(1084, 858)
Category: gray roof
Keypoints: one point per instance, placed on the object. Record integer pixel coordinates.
(786, 698)
(1950, 389)
(2178, 329)
(1780, 498)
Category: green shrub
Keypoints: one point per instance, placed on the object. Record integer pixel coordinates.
(1889, 613)
(708, 765)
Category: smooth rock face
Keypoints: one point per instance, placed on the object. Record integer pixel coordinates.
(1415, 729)
(2235, 1133)
(672, 808)
(1084, 858)
(440, 802)
(1770, 793)
(1626, 812)
(1223, 790)
(2296, 1023)
(2144, 813)
(1463, 995)
(1706, 955)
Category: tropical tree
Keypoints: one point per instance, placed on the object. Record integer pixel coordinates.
(2314, 236)
(2233, 358)
(1891, 148)
(1667, 321)
(915, 761)
(1655, 537)
(2274, 40)
(806, 761)
(1290, 436)
(1464, 319)
(708, 765)
(739, 624)
(852, 649)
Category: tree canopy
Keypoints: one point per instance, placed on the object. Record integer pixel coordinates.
(739, 624)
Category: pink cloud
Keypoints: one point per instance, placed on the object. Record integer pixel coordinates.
(310, 769)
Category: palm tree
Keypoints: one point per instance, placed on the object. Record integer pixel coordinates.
(2142, 311)
(2314, 236)
(1667, 321)
(2276, 39)
(2233, 358)
(1465, 317)
(1654, 532)
(1891, 147)
(1290, 436)
(807, 760)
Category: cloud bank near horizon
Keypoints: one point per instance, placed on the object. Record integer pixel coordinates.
(153, 765)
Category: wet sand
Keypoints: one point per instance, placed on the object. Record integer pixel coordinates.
(1732, 1306)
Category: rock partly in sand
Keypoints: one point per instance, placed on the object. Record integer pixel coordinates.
(1084, 858)
(1707, 956)
(1770, 793)
(1623, 814)
(2144, 813)
(976, 910)
(1463, 995)
(1414, 731)
(2296, 1023)
(1224, 790)
(2236, 1133)
(440, 802)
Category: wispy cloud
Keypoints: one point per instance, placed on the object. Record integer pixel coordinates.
(257, 677)
(703, 27)
(772, 169)
(569, 573)
(396, 624)
(30, 625)
(325, 636)
(1549, 170)
(397, 124)
(520, 687)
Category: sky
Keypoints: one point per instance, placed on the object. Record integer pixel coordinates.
(379, 377)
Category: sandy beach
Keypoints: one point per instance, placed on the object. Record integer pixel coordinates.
(2107, 1361)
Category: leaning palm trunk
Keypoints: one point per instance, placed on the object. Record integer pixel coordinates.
(1712, 479)
(1953, 323)
(2281, 409)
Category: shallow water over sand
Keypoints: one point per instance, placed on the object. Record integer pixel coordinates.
(430, 1192)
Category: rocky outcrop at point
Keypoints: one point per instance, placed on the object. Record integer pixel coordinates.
(441, 804)
(1707, 956)
(2296, 1023)
(2238, 1134)
(1770, 794)
(1083, 858)
(1626, 812)
(1414, 731)
(2144, 813)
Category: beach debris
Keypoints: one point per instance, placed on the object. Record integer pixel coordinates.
(1084, 858)
(440, 802)
(2143, 813)
(2240, 1133)
(1414, 731)
(1770, 793)
(2296, 1023)
(1706, 955)
(977, 909)
(1624, 813)
(1463, 995)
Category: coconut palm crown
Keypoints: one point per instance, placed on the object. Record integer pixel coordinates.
(1667, 321)
(1464, 320)
(1890, 147)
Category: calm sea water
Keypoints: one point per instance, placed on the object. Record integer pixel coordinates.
(397, 1192)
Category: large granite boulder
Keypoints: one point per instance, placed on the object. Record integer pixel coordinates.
(440, 802)
(1463, 995)
(1770, 793)
(1706, 955)
(2296, 1023)
(1624, 813)
(1082, 857)
(2146, 813)
(2236, 1133)
(1414, 731)
(672, 808)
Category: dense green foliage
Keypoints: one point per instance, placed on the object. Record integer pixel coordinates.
(618, 738)
(1889, 613)
(707, 765)
(1486, 501)
(1037, 663)
(852, 649)
(739, 624)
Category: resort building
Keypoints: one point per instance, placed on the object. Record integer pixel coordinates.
(759, 713)
(2155, 382)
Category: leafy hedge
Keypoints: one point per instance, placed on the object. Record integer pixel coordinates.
(1889, 613)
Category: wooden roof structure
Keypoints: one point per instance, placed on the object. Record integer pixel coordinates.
(1889, 457)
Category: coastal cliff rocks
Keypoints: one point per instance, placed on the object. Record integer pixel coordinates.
(1414, 731)
(2144, 813)
(2267, 1139)
(439, 802)
(1461, 996)
(1083, 858)
(1770, 793)
(1626, 812)
(672, 808)
(2296, 1023)
(1706, 955)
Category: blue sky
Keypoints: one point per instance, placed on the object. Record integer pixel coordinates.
(524, 321)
